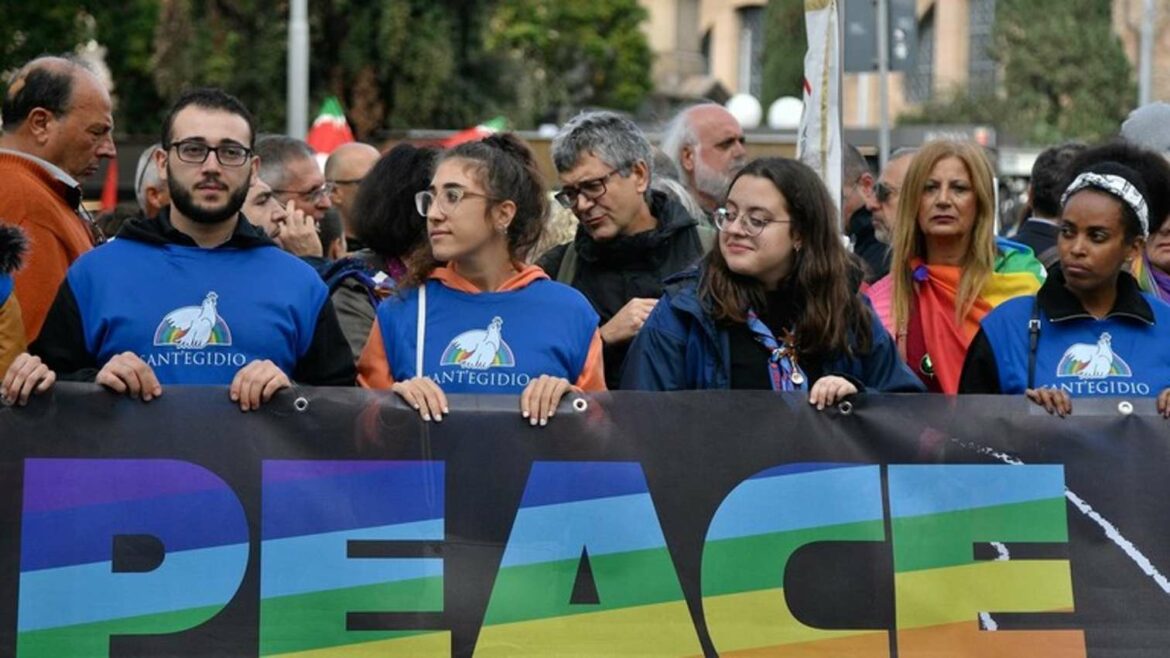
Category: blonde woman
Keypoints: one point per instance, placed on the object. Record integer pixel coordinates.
(948, 269)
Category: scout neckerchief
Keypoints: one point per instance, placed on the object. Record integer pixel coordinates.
(785, 373)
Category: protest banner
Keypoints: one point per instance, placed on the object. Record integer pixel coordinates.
(334, 522)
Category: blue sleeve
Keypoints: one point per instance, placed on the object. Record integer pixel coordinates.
(656, 360)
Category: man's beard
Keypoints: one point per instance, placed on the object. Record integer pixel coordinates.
(184, 202)
(712, 182)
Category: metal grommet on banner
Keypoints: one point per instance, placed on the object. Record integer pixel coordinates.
(1125, 407)
(845, 407)
(580, 405)
(301, 404)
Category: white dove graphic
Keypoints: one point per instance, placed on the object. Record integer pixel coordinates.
(195, 322)
(481, 344)
(1092, 361)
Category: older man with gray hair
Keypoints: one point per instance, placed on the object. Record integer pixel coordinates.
(707, 144)
(630, 237)
(289, 166)
(149, 188)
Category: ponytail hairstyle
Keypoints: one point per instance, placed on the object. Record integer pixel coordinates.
(505, 166)
(832, 317)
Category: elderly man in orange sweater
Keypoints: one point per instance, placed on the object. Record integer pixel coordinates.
(57, 128)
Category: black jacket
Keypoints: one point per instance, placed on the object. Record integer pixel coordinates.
(613, 272)
(1041, 237)
(866, 246)
(61, 343)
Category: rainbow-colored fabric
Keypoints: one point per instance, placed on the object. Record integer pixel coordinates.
(1016, 273)
(938, 585)
(1151, 279)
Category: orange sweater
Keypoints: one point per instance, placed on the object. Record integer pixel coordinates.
(34, 200)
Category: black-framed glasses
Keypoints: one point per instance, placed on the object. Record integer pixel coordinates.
(196, 152)
(591, 189)
(447, 198)
(752, 226)
(312, 195)
(346, 181)
(883, 191)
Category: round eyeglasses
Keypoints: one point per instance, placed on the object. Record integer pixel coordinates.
(447, 198)
(725, 218)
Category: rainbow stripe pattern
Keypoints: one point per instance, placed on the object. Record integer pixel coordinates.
(168, 334)
(454, 356)
(309, 585)
(1070, 367)
(72, 598)
(937, 515)
(604, 509)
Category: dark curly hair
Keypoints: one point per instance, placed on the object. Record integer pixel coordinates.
(384, 217)
(1149, 165)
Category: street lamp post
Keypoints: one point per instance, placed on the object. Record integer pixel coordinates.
(298, 68)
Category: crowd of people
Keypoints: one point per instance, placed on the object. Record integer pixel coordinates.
(431, 272)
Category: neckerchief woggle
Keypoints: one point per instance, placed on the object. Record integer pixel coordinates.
(786, 375)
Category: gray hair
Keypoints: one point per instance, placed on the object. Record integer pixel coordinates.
(146, 174)
(854, 164)
(276, 152)
(680, 133)
(608, 135)
(679, 193)
(901, 152)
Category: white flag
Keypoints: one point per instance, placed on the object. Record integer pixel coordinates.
(819, 140)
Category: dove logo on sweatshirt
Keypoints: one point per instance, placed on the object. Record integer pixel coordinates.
(480, 349)
(194, 327)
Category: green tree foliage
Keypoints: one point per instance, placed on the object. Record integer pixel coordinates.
(785, 42)
(29, 29)
(569, 55)
(1064, 74)
(393, 63)
(125, 29)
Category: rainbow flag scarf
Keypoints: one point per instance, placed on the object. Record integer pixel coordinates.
(1017, 272)
(1151, 279)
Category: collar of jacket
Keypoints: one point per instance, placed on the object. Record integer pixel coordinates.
(160, 231)
(672, 217)
(1060, 304)
(683, 289)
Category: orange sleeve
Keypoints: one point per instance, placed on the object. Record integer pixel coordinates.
(373, 365)
(592, 377)
(40, 278)
(12, 340)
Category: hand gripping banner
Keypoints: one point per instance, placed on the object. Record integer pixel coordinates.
(334, 522)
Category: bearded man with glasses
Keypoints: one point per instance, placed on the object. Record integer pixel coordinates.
(198, 295)
(630, 237)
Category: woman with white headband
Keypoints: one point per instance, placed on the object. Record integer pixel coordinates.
(1089, 331)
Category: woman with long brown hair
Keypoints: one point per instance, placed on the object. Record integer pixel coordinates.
(948, 268)
(774, 307)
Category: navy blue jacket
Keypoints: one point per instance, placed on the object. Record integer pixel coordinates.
(681, 347)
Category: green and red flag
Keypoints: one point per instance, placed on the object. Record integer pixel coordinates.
(484, 129)
(330, 128)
